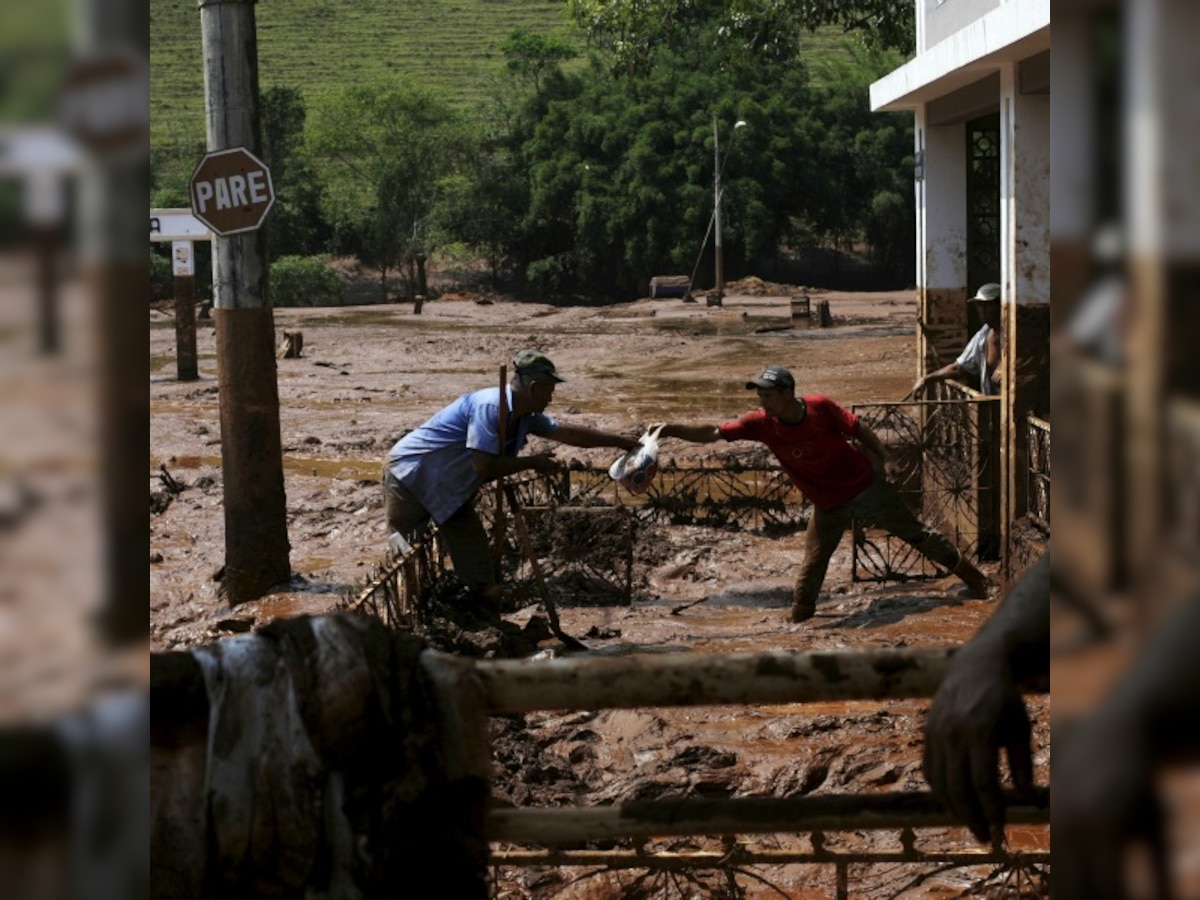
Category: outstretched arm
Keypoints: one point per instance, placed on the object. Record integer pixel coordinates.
(579, 436)
(951, 370)
(978, 707)
(489, 466)
(697, 434)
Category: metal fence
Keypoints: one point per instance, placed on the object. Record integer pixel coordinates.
(472, 690)
(584, 526)
(947, 451)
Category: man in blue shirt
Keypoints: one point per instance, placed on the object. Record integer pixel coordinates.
(435, 471)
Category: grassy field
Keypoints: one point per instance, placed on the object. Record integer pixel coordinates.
(323, 45)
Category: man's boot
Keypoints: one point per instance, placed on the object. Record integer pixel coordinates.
(483, 607)
(802, 608)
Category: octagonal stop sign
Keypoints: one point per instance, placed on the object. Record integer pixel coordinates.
(232, 191)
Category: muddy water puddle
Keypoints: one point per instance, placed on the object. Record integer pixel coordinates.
(336, 469)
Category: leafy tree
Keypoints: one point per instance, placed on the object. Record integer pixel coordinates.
(296, 223)
(393, 148)
(632, 31)
(531, 56)
(619, 171)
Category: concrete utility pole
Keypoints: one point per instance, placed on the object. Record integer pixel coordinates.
(256, 541)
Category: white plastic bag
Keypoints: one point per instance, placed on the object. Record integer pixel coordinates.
(635, 468)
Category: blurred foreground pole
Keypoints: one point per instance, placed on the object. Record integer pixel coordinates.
(1163, 203)
(112, 247)
(256, 541)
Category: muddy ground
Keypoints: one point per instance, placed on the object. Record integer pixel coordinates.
(367, 374)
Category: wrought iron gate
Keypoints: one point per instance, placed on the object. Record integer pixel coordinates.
(948, 456)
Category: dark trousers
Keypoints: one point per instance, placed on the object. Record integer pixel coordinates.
(463, 533)
(881, 506)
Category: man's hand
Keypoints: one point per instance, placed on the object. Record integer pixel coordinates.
(977, 710)
(544, 463)
(919, 386)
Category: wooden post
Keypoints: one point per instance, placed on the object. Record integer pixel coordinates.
(183, 265)
(513, 686)
(46, 244)
(256, 541)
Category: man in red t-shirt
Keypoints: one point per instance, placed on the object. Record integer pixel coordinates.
(832, 457)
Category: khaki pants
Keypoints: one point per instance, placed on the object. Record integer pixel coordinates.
(881, 506)
(463, 533)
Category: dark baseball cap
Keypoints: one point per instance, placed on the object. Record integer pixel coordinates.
(534, 362)
(772, 377)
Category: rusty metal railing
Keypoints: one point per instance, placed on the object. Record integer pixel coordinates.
(470, 691)
(1039, 472)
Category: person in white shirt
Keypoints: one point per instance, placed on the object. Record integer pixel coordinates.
(978, 362)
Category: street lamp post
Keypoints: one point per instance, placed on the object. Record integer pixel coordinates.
(718, 163)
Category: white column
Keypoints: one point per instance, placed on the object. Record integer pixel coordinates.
(942, 206)
(1025, 279)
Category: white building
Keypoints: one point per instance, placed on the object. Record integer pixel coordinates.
(979, 86)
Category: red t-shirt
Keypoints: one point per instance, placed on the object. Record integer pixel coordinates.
(817, 453)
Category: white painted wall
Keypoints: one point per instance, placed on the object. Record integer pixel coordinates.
(942, 206)
(944, 17)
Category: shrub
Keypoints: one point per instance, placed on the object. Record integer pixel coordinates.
(305, 281)
(162, 281)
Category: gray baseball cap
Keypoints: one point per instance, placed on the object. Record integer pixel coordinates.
(534, 362)
(989, 291)
(772, 377)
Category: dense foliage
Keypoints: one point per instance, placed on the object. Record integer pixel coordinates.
(592, 176)
(305, 281)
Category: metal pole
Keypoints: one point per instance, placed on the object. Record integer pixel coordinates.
(256, 541)
(718, 263)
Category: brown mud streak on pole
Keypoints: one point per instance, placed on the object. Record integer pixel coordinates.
(256, 549)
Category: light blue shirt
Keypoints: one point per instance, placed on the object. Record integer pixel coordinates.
(434, 460)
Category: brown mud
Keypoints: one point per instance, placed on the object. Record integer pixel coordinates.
(367, 374)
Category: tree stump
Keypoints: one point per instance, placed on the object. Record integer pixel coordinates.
(291, 345)
(824, 318)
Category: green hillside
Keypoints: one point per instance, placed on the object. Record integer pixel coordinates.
(323, 45)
